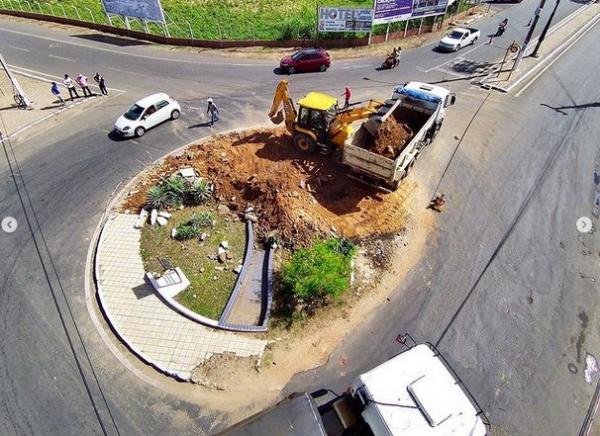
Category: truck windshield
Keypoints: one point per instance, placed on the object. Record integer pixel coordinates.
(456, 35)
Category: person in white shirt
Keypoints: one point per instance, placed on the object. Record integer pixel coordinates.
(68, 82)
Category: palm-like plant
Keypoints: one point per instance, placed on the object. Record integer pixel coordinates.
(199, 192)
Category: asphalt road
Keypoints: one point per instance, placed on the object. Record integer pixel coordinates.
(70, 170)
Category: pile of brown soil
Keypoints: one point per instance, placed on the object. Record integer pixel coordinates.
(391, 138)
(300, 196)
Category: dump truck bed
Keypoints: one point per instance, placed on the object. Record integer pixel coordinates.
(419, 115)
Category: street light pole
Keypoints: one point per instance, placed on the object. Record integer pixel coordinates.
(543, 35)
(536, 18)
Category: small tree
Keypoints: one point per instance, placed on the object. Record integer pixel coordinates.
(319, 272)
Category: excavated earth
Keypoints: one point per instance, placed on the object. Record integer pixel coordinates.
(300, 196)
(391, 138)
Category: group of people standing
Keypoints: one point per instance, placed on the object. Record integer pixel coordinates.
(82, 82)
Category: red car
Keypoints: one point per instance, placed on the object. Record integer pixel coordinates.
(305, 60)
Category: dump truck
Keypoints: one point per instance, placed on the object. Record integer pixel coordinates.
(418, 107)
(415, 393)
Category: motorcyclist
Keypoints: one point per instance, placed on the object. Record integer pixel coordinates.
(391, 59)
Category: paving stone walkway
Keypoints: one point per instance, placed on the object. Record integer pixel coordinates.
(155, 332)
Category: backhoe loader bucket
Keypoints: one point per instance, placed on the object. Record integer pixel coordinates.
(277, 118)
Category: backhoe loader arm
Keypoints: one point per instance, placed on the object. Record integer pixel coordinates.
(289, 114)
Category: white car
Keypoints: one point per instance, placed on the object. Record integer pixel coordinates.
(458, 38)
(147, 113)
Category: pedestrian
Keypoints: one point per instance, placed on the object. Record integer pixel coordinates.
(56, 92)
(68, 82)
(82, 81)
(438, 202)
(347, 94)
(101, 83)
(214, 112)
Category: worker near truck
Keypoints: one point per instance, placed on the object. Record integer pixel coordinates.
(347, 94)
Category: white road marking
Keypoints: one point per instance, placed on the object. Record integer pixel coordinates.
(61, 58)
(126, 72)
(39, 76)
(18, 48)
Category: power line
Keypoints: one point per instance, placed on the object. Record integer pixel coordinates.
(7, 145)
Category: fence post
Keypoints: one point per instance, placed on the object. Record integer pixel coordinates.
(420, 26)
(145, 25)
(77, 12)
(29, 5)
(254, 30)
(220, 33)
(91, 14)
(406, 27)
(190, 28)
(63, 10)
(166, 29)
(387, 32)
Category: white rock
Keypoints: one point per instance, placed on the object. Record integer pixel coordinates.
(204, 236)
(173, 232)
(162, 221)
(224, 244)
(221, 250)
(164, 214)
(153, 216)
(141, 219)
(237, 269)
(187, 173)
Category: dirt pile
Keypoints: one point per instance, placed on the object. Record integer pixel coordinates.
(299, 196)
(391, 138)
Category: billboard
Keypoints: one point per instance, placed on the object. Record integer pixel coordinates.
(426, 8)
(345, 19)
(145, 9)
(390, 11)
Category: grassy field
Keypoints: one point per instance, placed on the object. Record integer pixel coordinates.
(215, 20)
(205, 295)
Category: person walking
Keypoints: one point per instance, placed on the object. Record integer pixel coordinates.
(214, 112)
(347, 94)
(56, 92)
(101, 83)
(68, 82)
(83, 82)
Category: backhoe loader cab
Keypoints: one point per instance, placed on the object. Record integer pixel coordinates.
(316, 112)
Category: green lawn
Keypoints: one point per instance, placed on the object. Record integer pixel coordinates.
(205, 295)
(223, 19)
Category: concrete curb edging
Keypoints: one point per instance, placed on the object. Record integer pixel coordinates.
(240, 278)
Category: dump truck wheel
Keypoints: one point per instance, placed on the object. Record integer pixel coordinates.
(304, 143)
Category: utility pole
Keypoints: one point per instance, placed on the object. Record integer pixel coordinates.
(536, 18)
(543, 35)
(18, 92)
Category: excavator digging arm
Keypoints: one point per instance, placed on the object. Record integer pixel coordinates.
(347, 116)
(288, 113)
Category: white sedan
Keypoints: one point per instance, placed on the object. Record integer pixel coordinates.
(147, 113)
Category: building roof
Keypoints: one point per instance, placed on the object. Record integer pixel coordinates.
(318, 101)
(415, 394)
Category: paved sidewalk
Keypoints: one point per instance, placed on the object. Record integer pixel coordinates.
(155, 332)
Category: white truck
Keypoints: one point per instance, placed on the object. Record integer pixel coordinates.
(459, 37)
(419, 105)
(415, 393)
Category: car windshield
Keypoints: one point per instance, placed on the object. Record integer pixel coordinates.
(297, 55)
(456, 35)
(134, 112)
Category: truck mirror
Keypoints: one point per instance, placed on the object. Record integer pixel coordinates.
(319, 393)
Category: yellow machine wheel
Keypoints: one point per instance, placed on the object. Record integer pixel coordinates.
(304, 143)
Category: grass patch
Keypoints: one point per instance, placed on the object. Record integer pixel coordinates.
(205, 295)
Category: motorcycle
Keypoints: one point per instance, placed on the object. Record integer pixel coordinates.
(390, 62)
(501, 29)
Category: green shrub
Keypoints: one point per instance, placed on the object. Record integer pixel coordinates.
(201, 220)
(158, 197)
(169, 193)
(198, 192)
(321, 271)
(185, 232)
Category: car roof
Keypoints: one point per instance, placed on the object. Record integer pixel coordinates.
(318, 101)
(151, 99)
(311, 50)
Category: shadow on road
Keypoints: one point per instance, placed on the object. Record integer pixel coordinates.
(576, 107)
(114, 136)
(113, 40)
(204, 124)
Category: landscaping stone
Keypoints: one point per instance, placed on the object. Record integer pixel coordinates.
(202, 269)
(220, 250)
(237, 269)
(162, 221)
(302, 184)
(153, 216)
(204, 236)
(173, 233)
(225, 245)
(164, 214)
(141, 219)
(222, 257)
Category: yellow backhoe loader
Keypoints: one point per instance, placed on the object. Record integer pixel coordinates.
(319, 122)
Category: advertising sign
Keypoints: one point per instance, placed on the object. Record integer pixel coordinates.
(145, 9)
(390, 11)
(345, 19)
(426, 8)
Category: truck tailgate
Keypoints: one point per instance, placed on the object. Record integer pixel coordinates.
(370, 162)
